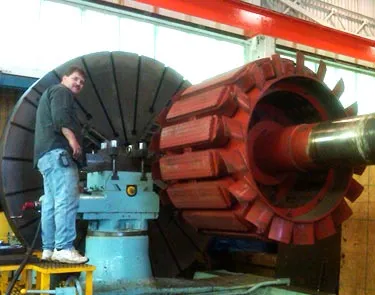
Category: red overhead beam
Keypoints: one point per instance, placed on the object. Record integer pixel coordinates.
(256, 20)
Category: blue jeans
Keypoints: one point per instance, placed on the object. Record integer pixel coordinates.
(60, 200)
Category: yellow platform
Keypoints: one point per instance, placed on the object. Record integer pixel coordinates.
(4, 228)
(43, 271)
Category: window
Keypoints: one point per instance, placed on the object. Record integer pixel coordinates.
(364, 94)
(137, 37)
(357, 85)
(196, 57)
(350, 94)
(41, 34)
(18, 32)
(60, 34)
(100, 32)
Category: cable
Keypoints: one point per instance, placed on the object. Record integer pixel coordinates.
(268, 283)
(212, 289)
(23, 263)
(77, 284)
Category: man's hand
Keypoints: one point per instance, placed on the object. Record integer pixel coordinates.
(76, 148)
(69, 135)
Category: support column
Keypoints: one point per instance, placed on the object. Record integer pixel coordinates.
(259, 47)
(126, 252)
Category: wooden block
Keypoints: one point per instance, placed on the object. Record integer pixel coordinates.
(364, 195)
(371, 175)
(353, 270)
(370, 271)
(364, 178)
(371, 211)
(371, 193)
(360, 210)
(371, 234)
(345, 290)
(354, 236)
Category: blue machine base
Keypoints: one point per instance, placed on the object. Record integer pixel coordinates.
(118, 259)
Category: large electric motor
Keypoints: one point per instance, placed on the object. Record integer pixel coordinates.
(242, 154)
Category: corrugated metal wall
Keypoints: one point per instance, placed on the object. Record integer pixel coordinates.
(345, 15)
(366, 7)
(349, 8)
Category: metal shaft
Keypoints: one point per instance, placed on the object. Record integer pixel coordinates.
(347, 142)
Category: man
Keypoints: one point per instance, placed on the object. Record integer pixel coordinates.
(57, 152)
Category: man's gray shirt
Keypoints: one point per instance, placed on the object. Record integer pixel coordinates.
(56, 110)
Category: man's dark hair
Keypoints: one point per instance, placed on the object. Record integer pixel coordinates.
(73, 69)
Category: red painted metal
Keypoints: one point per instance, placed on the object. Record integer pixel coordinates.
(206, 194)
(190, 165)
(255, 20)
(232, 143)
(243, 191)
(354, 191)
(281, 230)
(216, 219)
(341, 213)
(284, 149)
(359, 169)
(241, 77)
(219, 98)
(234, 161)
(205, 132)
(303, 234)
(325, 227)
(260, 215)
(260, 174)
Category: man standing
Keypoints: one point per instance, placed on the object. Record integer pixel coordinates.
(57, 152)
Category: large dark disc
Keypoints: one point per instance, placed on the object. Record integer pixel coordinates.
(122, 96)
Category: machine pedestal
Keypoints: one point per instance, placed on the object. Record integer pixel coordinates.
(118, 258)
